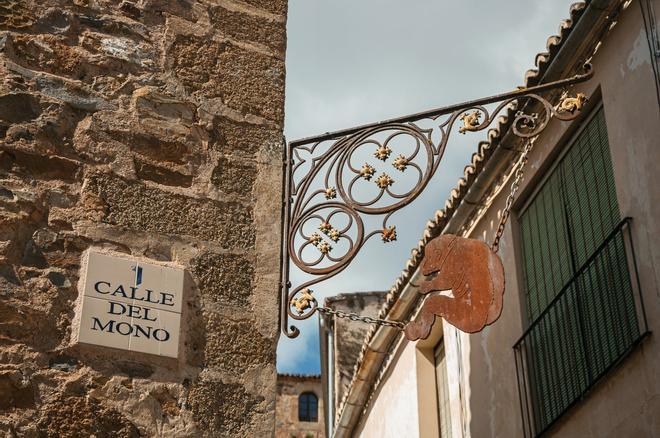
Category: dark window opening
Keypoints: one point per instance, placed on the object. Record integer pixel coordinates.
(308, 407)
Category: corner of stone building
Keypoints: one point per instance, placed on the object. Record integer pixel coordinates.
(153, 130)
(349, 336)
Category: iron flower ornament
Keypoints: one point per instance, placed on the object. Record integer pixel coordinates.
(324, 247)
(571, 104)
(384, 181)
(334, 235)
(325, 227)
(330, 193)
(389, 234)
(367, 171)
(400, 163)
(383, 153)
(315, 239)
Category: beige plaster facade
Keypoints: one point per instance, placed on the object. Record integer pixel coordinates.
(484, 398)
(151, 130)
(395, 405)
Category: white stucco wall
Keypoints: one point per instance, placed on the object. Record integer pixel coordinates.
(405, 403)
(394, 410)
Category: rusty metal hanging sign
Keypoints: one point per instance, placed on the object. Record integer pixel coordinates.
(474, 277)
(332, 185)
(471, 271)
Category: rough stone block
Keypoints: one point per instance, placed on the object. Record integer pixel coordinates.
(236, 345)
(49, 53)
(33, 257)
(130, 9)
(225, 278)
(19, 215)
(19, 107)
(136, 206)
(16, 393)
(230, 136)
(43, 333)
(161, 175)
(247, 27)
(234, 177)
(15, 14)
(223, 409)
(38, 126)
(278, 7)
(43, 166)
(180, 8)
(152, 103)
(119, 53)
(72, 93)
(245, 80)
(97, 55)
(77, 416)
(161, 141)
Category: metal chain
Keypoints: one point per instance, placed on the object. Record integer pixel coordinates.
(512, 194)
(366, 319)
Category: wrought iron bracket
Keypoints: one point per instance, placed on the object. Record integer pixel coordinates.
(325, 216)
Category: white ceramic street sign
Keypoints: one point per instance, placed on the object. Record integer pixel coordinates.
(130, 305)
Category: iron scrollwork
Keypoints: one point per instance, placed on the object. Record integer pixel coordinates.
(332, 181)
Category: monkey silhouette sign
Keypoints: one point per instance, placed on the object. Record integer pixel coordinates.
(466, 280)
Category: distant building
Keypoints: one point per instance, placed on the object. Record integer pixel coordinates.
(341, 341)
(299, 408)
(571, 355)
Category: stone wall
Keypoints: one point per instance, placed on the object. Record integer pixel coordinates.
(349, 335)
(289, 388)
(151, 128)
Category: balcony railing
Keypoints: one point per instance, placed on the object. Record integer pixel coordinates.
(587, 329)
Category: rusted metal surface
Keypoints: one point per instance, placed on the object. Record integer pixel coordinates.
(332, 185)
(474, 275)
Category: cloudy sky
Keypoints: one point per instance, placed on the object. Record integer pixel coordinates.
(351, 62)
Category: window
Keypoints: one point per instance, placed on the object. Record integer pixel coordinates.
(579, 294)
(442, 391)
(308, 407)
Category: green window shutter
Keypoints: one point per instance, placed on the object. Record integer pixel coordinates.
(570, 217)
(589, 192)
(608, 313)
(574, 339)
(546, 247)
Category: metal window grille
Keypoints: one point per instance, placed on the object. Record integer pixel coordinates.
(583, 299)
